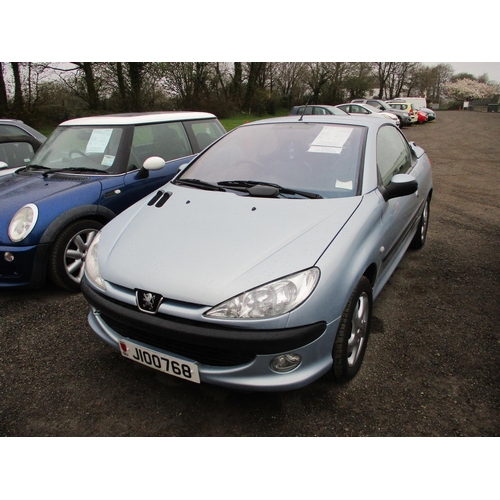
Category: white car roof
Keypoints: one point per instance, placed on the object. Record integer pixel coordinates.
(138, 118)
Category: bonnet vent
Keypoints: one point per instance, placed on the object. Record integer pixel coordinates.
(159, 199)
(62, 177)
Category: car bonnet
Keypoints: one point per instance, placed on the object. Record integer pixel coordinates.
(17, 190)
(204, 247)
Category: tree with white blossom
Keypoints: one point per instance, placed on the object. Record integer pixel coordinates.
(469, 90)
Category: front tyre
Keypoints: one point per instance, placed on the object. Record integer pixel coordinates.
(67, 258)
(350, 344)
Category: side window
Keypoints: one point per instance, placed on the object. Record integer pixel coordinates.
(16, 154)
(167, 140)
(375, 104)
(358, 109)
(393, 154)
(319, 111)
(204, 133)
(12, 130)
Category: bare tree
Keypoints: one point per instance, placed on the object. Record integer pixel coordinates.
(122, 89)
(91, 89)
(400, 77)
(18, 106)
(318, 76)
(236, 83)
(291, 81)
(182, 81)
(254, 73)
(136, 76)
(335, 90)
(359, 80)
(427, 81)
(3, 92)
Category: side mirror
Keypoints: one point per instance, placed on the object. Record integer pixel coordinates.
(152, 163)
(400, 185)
(3, 164)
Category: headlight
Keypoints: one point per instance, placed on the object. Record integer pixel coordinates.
(273, 299)
(91, 263)
(23, 222)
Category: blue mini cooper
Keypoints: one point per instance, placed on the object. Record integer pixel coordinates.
(88, 171)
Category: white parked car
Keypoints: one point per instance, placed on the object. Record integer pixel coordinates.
(366, 109)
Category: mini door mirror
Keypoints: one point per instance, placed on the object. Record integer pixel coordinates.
(152, 163)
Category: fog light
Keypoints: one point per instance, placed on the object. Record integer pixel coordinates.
(285, 362)
(8, 256)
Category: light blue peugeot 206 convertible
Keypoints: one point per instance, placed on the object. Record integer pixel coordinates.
(256, 267)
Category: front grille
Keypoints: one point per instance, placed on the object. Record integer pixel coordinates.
(213, 356)
(10, 271)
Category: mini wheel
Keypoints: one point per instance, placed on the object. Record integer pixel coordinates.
(67, 258)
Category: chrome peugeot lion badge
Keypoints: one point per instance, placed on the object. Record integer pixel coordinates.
(148, 302)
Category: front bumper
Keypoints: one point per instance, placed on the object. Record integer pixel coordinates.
(231, 357)
(27, 269)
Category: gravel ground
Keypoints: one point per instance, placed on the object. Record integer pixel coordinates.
(431, 368)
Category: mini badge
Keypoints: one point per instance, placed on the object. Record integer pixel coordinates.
(148, 302)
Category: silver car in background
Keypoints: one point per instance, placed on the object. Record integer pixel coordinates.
(257, 266)
(367, 110)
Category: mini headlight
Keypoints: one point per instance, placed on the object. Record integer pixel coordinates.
(272, 299)
(23, 222)
(92, 265)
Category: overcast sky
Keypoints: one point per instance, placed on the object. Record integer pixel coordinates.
(475, 68)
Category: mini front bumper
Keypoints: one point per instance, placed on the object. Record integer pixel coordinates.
(231, 357)
(23, 266)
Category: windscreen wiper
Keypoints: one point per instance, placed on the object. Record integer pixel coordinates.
(199, 184)
(85, 169)
(266, 189)
(72, 170)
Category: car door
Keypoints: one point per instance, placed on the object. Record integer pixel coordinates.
(394, 156)
(354, 108)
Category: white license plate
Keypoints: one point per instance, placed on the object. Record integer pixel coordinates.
(159, 361)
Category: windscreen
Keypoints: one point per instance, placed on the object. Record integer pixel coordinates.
(82, 147)
(318, 158)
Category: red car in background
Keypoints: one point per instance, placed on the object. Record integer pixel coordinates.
(421, 117)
